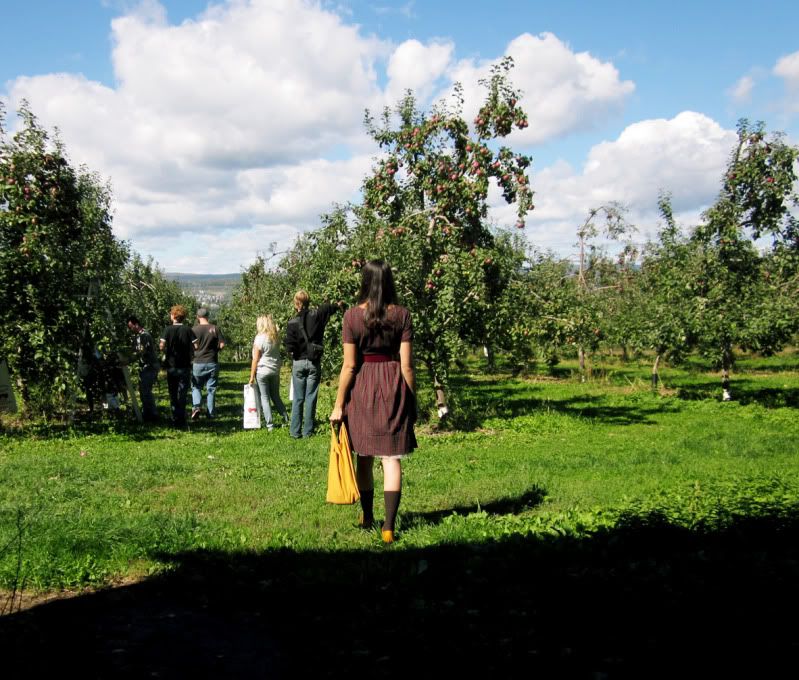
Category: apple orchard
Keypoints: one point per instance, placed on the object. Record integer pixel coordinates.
(728, 283)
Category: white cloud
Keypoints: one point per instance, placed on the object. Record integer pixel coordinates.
(563, 91)
(297, 193)
(245, 122)
(684, 155)
(248, 82)
(405, 10)
(787, 68)
(248, 97)
(417, 67)
(220, 251)
(741, 92)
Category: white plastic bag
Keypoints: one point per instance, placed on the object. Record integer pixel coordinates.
(252, 419)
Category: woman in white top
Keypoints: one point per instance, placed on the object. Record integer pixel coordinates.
(265, 368)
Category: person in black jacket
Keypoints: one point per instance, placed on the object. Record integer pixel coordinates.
(177, 343)
(303, 342)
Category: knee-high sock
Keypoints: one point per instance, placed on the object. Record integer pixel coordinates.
(392, 501)
(367, 506)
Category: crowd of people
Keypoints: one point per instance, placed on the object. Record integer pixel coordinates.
(376, 388)
(190, 358)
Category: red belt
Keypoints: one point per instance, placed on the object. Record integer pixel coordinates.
(377, 358)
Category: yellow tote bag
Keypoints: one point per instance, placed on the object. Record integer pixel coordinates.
(342, 488)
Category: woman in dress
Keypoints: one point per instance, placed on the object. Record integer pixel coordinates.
(265, 368)
(376, 390)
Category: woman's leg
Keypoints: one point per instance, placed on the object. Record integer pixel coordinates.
(366, 486)
(392, 490)
(273, 383)
(263, 393)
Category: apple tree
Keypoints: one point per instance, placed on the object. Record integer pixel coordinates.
(741, 298)
(60, 264)
(593, 306)
(147, 293)
(655, 313)
(425, 210)
(537, 324)
(318, 262)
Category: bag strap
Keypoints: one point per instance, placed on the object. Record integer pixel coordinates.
(304, 334)
(339, 431)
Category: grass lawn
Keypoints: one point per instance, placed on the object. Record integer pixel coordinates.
(557, 509)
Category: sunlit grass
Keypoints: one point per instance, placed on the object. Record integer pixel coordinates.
(107, 500)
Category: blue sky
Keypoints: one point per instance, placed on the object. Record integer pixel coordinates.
(225, 126)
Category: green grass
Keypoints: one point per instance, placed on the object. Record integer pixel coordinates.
(535, 456)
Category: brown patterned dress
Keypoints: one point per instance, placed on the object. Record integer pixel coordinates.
(380, 409)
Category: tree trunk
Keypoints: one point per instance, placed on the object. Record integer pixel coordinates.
(625, 355)
(726, 365)
(655, 375)
(24, 395)
(441, 400)
(581, 359)
(490, 355)
(441, 397)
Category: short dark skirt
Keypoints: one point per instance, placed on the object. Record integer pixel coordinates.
(381, 411)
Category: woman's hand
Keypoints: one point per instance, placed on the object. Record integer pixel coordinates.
(252, 380)
(337, 415)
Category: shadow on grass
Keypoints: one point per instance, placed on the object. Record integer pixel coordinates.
(744, 391)
(503, 506)
(759, 368)
(86, 425)
(487, 399)
(229, 400)
(643, 600)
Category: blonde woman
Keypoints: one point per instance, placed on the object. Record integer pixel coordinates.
(265, 368)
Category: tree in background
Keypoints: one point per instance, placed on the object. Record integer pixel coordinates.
(655, 313)
(741, 298)
(60, 263)
(147, 293)
(261, 291)
(559, 307)
(319, 262)
(594, 309)
(424, 211)
(533, 311)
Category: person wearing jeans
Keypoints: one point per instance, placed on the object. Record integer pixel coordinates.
(205, 369)
(177, 342)
(305, 377)
(308, 326)
(265, 368)
(204, 376)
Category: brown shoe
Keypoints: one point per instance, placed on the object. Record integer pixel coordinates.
(388, 535)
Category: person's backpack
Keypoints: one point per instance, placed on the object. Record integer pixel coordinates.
(314, 351)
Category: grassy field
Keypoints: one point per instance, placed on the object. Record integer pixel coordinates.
(554, 498)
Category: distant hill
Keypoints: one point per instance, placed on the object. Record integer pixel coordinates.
(210, 290)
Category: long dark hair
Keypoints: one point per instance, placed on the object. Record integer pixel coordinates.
(377, 291)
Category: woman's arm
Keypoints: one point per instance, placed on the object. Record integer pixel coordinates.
(406, 365)
(345, 380)
(256, 357)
